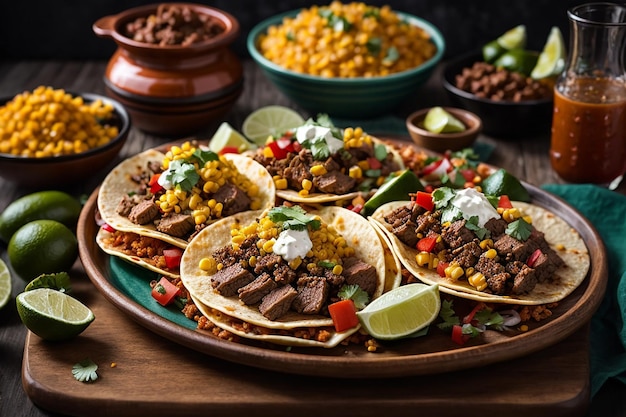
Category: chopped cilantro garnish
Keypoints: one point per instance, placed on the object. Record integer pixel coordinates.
(182, 174)
(340, 24)
(519, 229)
(205, 156)
(85, 370)
(374, 45)
(294, 218)
(160, 289)
(290, 36)
(326, 264)
(447, 314)
(319, 149)
(372, 12)
(472, 224)
(355, 293)
(442, 196)
(483, 319)
(392, 54)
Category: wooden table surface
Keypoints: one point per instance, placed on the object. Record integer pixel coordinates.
(526, 158)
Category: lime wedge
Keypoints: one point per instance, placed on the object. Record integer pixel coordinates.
(53, 315)
(395, 189)
(401, 311)
(492, 50)
(226, 136)
(502, 182)
(552, 58)
(5, 284)
(440, 121)
(518, 60)
(270, 121)
(513, 38)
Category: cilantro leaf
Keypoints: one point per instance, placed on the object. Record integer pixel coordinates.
(372, 12)
(392, 55)
(519, 229)
(447, 314)
(472, 224)
(205, 156)
(293, 218)
(442, 196)
(182, 174)
(374, 45)
(489, 318)
(355, 293)
(319, 149)
(85, 370)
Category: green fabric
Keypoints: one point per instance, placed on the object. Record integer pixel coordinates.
(605, 210)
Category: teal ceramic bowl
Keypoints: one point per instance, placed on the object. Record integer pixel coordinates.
(357, 98)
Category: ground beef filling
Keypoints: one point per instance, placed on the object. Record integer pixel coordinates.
(149, 249)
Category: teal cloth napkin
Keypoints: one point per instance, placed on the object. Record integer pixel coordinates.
(605, 210)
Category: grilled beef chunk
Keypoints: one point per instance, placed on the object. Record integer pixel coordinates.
(298, 170)
(457, 235)
(358, 272)
(333, 279)
(496, 227)
(498, 283)
(234, 199)
(228, 280)
(524, 280)
(275, 266)
(545, 267)
(275, 304)
(406, 233)
(428, 223)
(178, 225)
(144, 212)
(331, 165)
(257, 289)
(512, 249)
(312, 294)
(125, 205)
(334, 182)
(467, 255)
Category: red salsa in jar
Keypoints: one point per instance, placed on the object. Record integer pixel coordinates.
(589, 131)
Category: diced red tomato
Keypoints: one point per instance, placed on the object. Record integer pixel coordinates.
(343, 314)
(468, 174)
(457, 335)
(426, 244)
(296, 146)
(425, 200)
(430, 168)
(229, 149)
(172, 257)
(165, 292)
(356, 207)
(155, 187)
(532, 259)
(504, 202)
(281, 147)
(374, 163)
(441, 268)
(108, 228)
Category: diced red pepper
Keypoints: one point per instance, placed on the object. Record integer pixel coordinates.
(165, 292)
(457, 335)
(108, 228)
(504, 202)
(470, 317)
(229, 149)
(426, 244)
(374, 163)
(155, 187)
(172, 257)
(425, 200)
(441, 268)
(532, 259)
(356, 207)
(343, 314)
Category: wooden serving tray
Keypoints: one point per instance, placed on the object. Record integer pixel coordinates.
(154, 376)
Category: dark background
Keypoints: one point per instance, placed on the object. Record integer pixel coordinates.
(61, 29)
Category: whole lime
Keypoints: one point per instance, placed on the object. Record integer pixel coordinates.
(49, 205)
(42, 247)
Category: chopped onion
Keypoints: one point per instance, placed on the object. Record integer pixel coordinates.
(511, 317)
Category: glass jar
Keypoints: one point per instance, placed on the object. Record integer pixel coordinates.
(588, 143)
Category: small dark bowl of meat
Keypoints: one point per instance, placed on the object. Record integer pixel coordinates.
(510, 105)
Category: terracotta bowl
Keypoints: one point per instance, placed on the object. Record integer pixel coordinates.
(503, 119)
(359, 97)
(441, 142)
(173, 90)
(60, 171)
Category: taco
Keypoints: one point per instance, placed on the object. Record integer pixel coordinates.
(172, 196)
(272, 277)
(521, 254)
(319, 164)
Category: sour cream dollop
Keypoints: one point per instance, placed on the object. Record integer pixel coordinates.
(311, 132)
(163, 182)
(291, 244)
(472, 203)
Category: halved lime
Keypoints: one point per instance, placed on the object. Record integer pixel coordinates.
(552, 58)
(226, 136)
(401, 311)
(5, 284)
(518, 60)
(513, 38)
(398, 188)
(438, 120)
(53, 315)
(270, 121)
